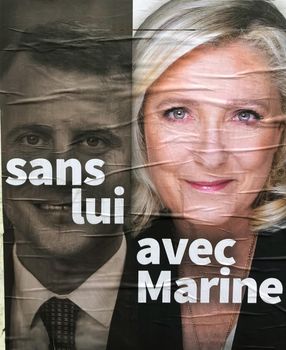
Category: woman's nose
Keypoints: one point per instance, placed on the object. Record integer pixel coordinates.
(210, 150)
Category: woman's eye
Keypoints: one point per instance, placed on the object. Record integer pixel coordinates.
(248, 116)
(177, 113)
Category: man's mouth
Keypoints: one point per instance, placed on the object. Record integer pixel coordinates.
(55, 213)
(54, 207)
(62, 207)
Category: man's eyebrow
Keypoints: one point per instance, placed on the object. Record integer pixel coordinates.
(114, 126)
(108, 130)
(30, 127)
(114, 139)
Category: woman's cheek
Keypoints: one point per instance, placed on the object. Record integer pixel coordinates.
(256, 166)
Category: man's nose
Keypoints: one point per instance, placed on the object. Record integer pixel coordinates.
(64, 158)
(62, 143)
(211, 151)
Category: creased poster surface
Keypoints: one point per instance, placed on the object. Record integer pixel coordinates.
(143, 166)
(66, 111)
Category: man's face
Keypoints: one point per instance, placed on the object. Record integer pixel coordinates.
(53, 115)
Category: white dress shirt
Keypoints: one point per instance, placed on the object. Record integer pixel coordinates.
(96, 298)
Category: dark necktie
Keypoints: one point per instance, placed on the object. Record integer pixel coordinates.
(59, 317)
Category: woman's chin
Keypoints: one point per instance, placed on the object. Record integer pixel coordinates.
(209, 217)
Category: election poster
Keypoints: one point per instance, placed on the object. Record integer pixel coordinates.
(143, 156)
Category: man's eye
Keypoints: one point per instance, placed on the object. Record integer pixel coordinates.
(247, 116)
(176, 113)
(93, 141)
(32, 140)
(93, 144)
(96, 142)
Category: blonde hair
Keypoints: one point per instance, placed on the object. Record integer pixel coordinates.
(177, 28)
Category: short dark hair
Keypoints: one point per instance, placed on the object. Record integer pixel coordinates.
(72, 46)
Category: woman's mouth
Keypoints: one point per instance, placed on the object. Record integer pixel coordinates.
(209, 186)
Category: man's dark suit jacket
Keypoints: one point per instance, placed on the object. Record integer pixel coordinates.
(124, 305)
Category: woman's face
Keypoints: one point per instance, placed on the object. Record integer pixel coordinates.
(211, 133)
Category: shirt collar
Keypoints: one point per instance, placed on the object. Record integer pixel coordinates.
(96, 296)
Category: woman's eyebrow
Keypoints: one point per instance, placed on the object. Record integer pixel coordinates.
(261, 102)
(176, 101)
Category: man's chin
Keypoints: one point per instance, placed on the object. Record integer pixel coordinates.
(50, 231)
(58, 242)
